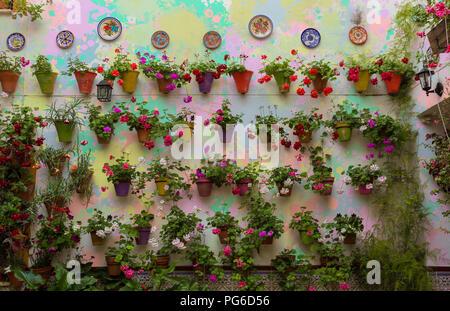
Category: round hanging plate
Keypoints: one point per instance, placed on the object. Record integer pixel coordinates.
(160, 39)
(310, 37)
(65, 39)
(109, 28)
(212, 39)
(358, 35)
(260, 26)
(15, 41)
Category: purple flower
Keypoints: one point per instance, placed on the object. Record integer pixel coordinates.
(164, 57)
(40, 216)
(387, 141)
(117, 110)
(187, 99)
(174, 76)
(212, 277)
(223, 164)
(262, 233)
(270, 233)
(200, 226)
(389, 149)
(371, 145)
(149, 69)
(170, 87)
(50, 240)
(70, 217)
(75, 238)
(52, 249)
(159, 76)
(107, 129)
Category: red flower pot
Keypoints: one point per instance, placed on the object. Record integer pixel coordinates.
(319, 83)
(242, 80)
(393, 85)
(363, 190)
(85, 81)
(204, 187)
(162, 85)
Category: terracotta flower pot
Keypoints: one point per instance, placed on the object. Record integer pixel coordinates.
(268, 240)
(344, 130)
(44, 272)
(242, 80)
(305, 138)
(129, 81)
(161, 184)
(47, 82)
(13, 281)
(324, 260)
(144, 235)
(281, 80)
(163, 261)
(143, 135)
(103, 141)
(85, 81)
(205, 86)
(122, 188)
(319, 83)
(363, 82)
(28, 194)
(112, 266)
(65, 131)
(96, 240)
(223, 235)
(393, 85)
(327, 190)
(350, 238)
(162, 85)
(9, 80)
(363, 190)
(204, 187)
(287, 194)
(243, 186)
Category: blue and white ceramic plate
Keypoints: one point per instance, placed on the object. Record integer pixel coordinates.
(160, 39)
(15, 41)
(310, 38)
(109, 28)
(65, 39)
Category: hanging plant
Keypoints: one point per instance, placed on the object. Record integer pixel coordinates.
(364, 177)
(280, 69)
(307, 225)
(283, 178)
(396, 73)
(343, 122)
(206, 70)
(103, 124)
(303, 124)
(42, 69)
(121, 173)
(65, 118)
(322, 180)
(10, 71)
(319, 73)
(359, 69)
(241, 75)
(84, 74)
(24, 8)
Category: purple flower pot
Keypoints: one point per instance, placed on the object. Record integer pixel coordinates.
(243, 186)
(144, 235)
(205, 86)
(227, 134)
(363, 190)
(204, 186)
(122, 188)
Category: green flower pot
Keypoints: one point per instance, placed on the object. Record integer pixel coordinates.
(47, 82)
(344, 130)
(65, 131)
(281, 79)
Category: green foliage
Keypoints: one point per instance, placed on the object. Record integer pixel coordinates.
(438, 166)
(363, 174)
(103, 124)
(155, 68)
(251, 171)
(99, 222)
(315, 68)
(321, 171)
(308, 121)
(143, 219)
(203, 63)
(77, 65)
(305, 221)
(285, 177)
(278, 66)
(87, 282)
(235, 65)
(120, 170)
(287, 265)
(361, 62)
(223, 116)
(14, 63)
(81, 174)
(22, 8)
(58, 191)
(342, 114)
(67, 113)
(218, 171)
(41, 65)
(53, 158)
(346, 225)
(32, 281)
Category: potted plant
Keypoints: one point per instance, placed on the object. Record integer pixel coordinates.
(319, 72)
(268, 125)
(184, 118)
(103, 124)
(54, 159)
(284, 178)
(321, 181)
(360, 68)
(42, 69)
(203, 259)
(395, 72)
(121, 255)
(226, 120)
(225, 226)
(236, 69)
(348, 227)
(100, 227)
(245, 177)
(304, 124)
(307, 225)
(10, 71)
(180, 228)
(288, 265)
(217, 172)
(121, 174)
(384, 132)
(21, 8)
(164, 71)
(280, 69)
(142, 224)
(125, 70)
(438, 166)
(364, 176)
(56, 197)
(146, 123)
(81, 174)
(65, 119)
(53, 236)
(84, 74)
(167, 176)
(205, 70)
(344, 120)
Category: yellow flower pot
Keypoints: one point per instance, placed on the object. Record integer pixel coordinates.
(161, 184)
(363, 82)
(129, 81)
(186, 128)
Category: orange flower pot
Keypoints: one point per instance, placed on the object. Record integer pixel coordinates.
(85, 81)
(242, 80)
(9, 80)
(319, 83)
(393, 85)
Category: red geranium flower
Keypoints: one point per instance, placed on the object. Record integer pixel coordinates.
(100, 69)
(133, 66)
(115, 73)
(294, 52)
(285, 86)
(301, 91)
(196, 72)
(313, 72)
(314, 94)
(293, 78)
(267, 78)
(327, 90)
(120, 82)
(263, 56)
(405, 60)
(307, 81)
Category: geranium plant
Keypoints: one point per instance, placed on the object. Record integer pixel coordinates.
(348, 225)
(303, 124)
(103, 124)
(56, 197)
(396, 72)
(321, 181)
(101, 225)
(364, 175)
(120, 170)
(280, 69)
(284, 178)
(344, 119)
(235, 64)
(360, 68)
(318, 72)
(77, 65)
(203, 64)
(226, 226)
(224, 116)
(41, 65)
(308, 226)
(14, 63)
(439, 165)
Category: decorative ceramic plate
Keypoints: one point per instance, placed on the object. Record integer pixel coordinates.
(358, 35)
(160, 39)
(109, 28)
(15, 41)
(212, 39)
(310, 37)
(260, 26)
(65, 39)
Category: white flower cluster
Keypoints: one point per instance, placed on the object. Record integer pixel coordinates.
(264, 189)
(103, 233)
(374, 167)
(284, 190)
(381, 179)
(329, 130)
(363, 128)
(347, 180)
(369, 186)
(288, 182)
(178, 244)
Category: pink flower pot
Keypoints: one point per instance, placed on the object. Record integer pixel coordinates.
(363, 190)
(243, 186)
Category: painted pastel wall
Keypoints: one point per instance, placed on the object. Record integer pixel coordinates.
(186, 22)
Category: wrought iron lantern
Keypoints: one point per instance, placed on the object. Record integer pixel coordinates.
(104, 91)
